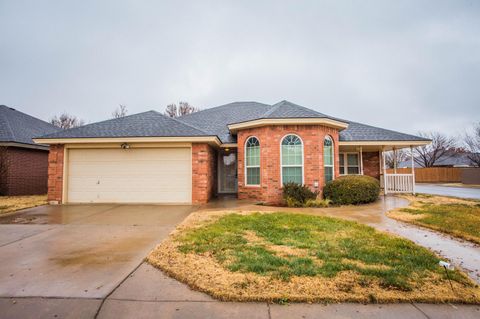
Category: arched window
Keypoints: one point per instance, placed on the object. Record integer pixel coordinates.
(292, 159)
(252, 161)
(328, 158)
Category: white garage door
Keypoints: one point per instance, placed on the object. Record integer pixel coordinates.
(145, 175)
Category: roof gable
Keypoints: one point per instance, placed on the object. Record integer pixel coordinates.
(18, 127)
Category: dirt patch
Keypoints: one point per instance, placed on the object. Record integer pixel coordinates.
(202, 272)
(10, 204)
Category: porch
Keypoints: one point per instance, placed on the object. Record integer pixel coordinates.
(352, 162)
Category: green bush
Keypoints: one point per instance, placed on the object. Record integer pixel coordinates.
(296, 195)
(352, 189)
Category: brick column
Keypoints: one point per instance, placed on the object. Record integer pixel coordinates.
(55, 173)
(203, 173)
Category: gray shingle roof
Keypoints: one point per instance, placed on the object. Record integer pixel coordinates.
(286, 109)
(362, 132)
(151, 123)
(18, 127)
(215, 121)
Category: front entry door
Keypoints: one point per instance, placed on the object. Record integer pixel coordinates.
(227, 172)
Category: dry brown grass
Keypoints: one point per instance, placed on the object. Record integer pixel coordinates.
(9, 204)
(204, 273)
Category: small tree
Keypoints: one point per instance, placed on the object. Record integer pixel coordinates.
(66, 121)
(397, 156)
(183, 108)
(472, 143)
(439, 148)
(120, 111)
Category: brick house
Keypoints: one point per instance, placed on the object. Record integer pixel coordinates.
(23, 164)
(244, 148)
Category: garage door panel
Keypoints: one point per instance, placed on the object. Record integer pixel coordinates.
(125, 183)
(133, 154)
(153, 175)
(158, 168)
(130, 197)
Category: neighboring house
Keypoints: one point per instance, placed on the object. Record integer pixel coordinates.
(246, 148)
(450, 159)
(23, 164)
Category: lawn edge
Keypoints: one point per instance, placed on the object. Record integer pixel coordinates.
(363, 299)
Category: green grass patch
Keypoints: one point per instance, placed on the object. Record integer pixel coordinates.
(286, 245)
(460, 220)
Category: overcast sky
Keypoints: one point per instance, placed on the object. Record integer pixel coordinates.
(404, 65)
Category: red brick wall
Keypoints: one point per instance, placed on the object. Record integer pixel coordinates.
(23, 171)
(203, 173)
(270, 136)
(371, 164)
(55, 173)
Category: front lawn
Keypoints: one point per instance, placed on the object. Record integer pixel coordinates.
(457, 217)
(10, 204)
(294, 257)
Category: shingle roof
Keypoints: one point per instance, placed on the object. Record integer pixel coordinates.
(362, 132)
(215, 121)
(151, 123)
(18, 127)
(286, 109)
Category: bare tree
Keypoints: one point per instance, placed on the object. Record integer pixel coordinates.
(440, 147)
(183, 108)
(472, 143)
(66, 121)
(397, 156)
(120, 111)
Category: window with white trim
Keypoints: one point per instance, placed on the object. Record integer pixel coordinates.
(349, 164)
(252, 161)
(328, 158)
(292, 159)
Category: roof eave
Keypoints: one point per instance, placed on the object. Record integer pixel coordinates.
(234, 127)
(412, 143)
(37, 146)
(211, 139)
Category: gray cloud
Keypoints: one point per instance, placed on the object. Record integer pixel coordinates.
(405, 65)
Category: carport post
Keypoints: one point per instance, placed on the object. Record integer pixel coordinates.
(385, 192)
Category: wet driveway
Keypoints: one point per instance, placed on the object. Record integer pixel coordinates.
(79, 250)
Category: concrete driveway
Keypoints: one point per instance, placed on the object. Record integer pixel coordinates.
(449, 190)
(79, 250)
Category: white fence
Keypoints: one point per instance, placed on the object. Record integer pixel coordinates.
(399, 183)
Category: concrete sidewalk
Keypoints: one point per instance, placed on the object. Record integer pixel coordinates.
(148, 293)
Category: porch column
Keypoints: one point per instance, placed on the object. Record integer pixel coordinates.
(413, 169)
(394, 160)
(361, 160)
(384, 172)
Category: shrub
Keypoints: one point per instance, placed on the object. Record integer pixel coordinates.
(352, 189)
(318, 203)
(296, 195)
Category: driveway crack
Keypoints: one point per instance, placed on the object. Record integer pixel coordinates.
(115, 288)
